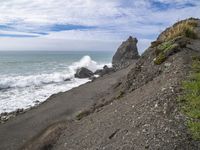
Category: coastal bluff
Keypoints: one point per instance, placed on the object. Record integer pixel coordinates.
(143, 104)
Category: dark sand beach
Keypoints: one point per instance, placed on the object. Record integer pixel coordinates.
(59, 107)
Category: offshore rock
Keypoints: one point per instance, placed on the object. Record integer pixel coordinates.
(83, 73)
(126, 54)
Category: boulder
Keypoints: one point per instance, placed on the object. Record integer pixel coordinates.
(105, 70)
(126, 54)
(83, 73)
(68, 79)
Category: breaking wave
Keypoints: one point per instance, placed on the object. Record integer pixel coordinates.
(22, 91)
(56, 77)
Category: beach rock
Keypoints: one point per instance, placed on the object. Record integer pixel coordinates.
(6, 116)
(98, 71)
(68, 79)
(126, 54)
(18, 111)
(36, 101)
(83, 73)
(105, 70)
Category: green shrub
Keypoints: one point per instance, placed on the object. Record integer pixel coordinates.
(160, 59)
(157, 51)
(191, 99)
(190, 33)
(164, 50)
(196, 64)
(194, 129)
(165, 45)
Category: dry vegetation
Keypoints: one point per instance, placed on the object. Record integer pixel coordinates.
(185, 28)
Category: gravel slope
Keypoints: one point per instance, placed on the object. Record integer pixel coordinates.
(145, 118)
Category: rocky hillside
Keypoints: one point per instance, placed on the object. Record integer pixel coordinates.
(150, 107)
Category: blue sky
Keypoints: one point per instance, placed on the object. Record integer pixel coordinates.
(87, 24)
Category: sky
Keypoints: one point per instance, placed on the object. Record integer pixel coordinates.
(87, 24)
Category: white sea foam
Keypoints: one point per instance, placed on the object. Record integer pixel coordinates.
(56, 77)
(88, 63)
(17, 91)
(16, 98)
(33, 80)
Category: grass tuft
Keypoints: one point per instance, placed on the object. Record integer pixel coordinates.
(83, 114)
(164, 50)
(194, 129)
(120, 95)
(160, 59)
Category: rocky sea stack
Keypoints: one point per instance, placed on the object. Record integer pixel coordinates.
(126, 54)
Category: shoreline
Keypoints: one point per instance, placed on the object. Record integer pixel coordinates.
(20, 89)
(6, 116)
(58, 107)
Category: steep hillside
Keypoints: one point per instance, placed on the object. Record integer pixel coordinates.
(143, 110)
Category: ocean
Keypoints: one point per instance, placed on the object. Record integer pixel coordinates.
(28, 78)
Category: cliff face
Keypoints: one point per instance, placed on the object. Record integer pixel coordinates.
(142, 111)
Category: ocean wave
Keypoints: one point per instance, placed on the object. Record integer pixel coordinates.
(24, 98)
(33, 80)
(86, 62)
(41, 79)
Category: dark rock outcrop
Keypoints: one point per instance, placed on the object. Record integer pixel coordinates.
(105, 70)
(126, 54)
(83, 73)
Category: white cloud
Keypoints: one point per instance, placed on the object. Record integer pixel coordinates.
(87, 12)
(115, 21)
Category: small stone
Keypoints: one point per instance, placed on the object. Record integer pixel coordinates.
(163, 89)
(167, 64)
(146, 146)
(156, 105)
(19, 111)
(68, 79)
(36, 101)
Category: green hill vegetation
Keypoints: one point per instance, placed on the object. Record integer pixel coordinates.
(191, 99)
